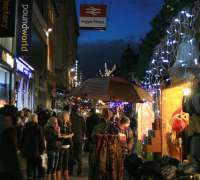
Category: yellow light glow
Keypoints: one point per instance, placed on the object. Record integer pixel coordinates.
(186, 91)
(97, 111)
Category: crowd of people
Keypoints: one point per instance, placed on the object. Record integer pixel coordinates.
(47, 145)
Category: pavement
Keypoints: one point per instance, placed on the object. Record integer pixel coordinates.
(84, 175)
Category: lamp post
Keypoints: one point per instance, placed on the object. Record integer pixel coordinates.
(49, 30)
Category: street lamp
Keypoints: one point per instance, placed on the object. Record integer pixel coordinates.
(49, 30)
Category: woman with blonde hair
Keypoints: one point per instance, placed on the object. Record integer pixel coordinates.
(33, 147)
(66, 139)
(52, 134)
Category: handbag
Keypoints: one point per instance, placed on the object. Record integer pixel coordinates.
(44, 159)
(22, 161)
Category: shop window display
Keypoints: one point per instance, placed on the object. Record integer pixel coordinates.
(4, 86)
(24, 94)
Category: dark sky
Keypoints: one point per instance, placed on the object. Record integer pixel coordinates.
(128, 22)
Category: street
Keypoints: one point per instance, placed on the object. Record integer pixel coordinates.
(119, 79)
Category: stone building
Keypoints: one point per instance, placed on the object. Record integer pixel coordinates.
(67, 32)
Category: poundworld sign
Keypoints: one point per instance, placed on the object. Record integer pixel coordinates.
(24, 28)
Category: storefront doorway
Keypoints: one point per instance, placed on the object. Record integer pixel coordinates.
(24, 85)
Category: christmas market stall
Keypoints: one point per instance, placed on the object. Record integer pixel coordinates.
(173, 77)
(117, 95)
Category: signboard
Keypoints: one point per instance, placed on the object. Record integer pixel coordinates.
(7, 58)
(24, 28)
(24, 68)
(7, 18)
(93, 16)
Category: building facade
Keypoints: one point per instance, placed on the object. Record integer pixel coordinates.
(67, 31)
(44, 42)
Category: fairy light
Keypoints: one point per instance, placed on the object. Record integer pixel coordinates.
(196, 61)
(164, 54)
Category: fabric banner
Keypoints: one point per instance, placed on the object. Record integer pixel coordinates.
(24, 28)
(93, 17)
(7, 18)
(145, 117)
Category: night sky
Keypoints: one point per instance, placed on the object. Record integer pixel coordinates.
(128, 22)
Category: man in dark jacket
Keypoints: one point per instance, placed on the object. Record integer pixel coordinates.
(33, 147)
(9, 164)
(78, 128)
(91, 122)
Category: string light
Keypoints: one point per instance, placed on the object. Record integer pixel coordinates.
(165, 53)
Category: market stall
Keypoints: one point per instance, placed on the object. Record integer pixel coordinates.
(171, 113)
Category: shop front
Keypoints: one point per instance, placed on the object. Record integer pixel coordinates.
(24, 85)
(174, 119)
(6, 77)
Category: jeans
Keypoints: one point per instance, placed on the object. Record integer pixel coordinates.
(75, 156)
(77, 152)
(53, 158)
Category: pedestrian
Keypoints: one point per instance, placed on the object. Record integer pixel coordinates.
(52, 133)
(78, 128)
(9, 164)
(42, 117)
(66, 138)
(103, 123)
(20, 126)
(91, 122)
(33, 147)
(27, 114)
(123, 130)
(21, 118)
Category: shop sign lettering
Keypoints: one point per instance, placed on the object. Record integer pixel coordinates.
(24, 69)
(24, 28)
(7, 18)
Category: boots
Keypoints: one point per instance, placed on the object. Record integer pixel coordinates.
(53, 177)
(58, 175)
(66, 175)
(79, 169)
(48, 177)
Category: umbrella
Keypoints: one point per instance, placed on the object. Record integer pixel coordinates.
(111, 89)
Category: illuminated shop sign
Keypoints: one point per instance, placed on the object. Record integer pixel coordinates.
(93, 16)
(24, 28)
(7, 58)
(24, 68)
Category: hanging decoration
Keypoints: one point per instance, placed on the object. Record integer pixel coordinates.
(107, 72)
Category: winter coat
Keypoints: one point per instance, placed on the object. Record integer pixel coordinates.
(32, 140)
(8, 150)
(53, 141)
(78, 127)
(66, 129)
(91, 122)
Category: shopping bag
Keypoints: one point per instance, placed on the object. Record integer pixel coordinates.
(22, 162)
(44, 159)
